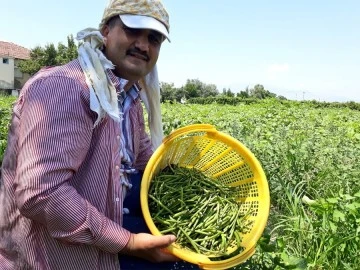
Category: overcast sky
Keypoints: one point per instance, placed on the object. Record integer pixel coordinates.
(299, 49)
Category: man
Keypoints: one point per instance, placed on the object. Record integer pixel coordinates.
(76, 135)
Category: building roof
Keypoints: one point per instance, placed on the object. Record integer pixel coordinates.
(12, 50)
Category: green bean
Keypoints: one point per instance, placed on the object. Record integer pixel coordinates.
(190, 240)
(200, 211)
(160, 203)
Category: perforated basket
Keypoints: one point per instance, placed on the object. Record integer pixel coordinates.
(225, 159)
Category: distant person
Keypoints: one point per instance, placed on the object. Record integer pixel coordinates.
(76, 136)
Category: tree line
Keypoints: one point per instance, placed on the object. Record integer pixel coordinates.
(51, 55)
(194, 89)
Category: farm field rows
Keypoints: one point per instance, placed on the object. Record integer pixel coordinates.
(312, 161)
(311, 157)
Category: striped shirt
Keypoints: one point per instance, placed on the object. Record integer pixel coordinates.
(60, 194)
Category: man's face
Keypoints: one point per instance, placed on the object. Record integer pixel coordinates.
(134, 52)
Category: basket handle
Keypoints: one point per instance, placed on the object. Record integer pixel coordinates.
(188, 129)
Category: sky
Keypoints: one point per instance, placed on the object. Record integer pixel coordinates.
(298, 49)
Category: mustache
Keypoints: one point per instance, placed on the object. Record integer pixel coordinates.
(138, 52)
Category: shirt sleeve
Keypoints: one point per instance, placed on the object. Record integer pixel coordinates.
(55, 134)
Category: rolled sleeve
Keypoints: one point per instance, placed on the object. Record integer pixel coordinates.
(113, 238)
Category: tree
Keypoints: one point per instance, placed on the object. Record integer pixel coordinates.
(209, 90)
(180, 93)
(243, 94)
(227, 92)
(168, 91)
(195, 88)
(49, 56)
(35, 62)
(67, 53)
(259, 92)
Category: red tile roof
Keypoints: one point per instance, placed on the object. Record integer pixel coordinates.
(12, 50)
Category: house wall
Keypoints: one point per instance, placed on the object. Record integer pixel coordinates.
(20, 78)
(6, 73)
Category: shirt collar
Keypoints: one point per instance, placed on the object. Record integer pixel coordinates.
(132, 93)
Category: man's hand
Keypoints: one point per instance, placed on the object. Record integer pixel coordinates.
(149, 247)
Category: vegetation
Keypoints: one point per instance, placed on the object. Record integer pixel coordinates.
(5, 115)
(226, 100)
(311, 156)
(309, 150)
(49, 56)
(195, 91)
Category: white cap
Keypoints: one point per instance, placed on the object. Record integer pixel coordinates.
(144, 22)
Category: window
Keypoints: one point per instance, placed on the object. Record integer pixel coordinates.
(5, 60)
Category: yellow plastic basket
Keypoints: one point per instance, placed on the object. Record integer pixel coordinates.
(224, 158)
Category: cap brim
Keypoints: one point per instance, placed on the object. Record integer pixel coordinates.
(144, 22)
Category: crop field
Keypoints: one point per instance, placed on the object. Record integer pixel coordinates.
(311, 157)
(5, 114)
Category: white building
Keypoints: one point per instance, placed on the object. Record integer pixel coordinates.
(11, 78)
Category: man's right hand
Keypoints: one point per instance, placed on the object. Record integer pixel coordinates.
(150, 247)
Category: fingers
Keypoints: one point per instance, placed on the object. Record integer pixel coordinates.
(150, 241)
(150, 247)
(163, 241)
(143, 241)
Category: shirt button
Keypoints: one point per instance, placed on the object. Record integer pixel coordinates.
(117, 199)
(117, 167)
(118, 137)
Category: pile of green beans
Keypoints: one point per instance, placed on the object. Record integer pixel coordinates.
(200, 211)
